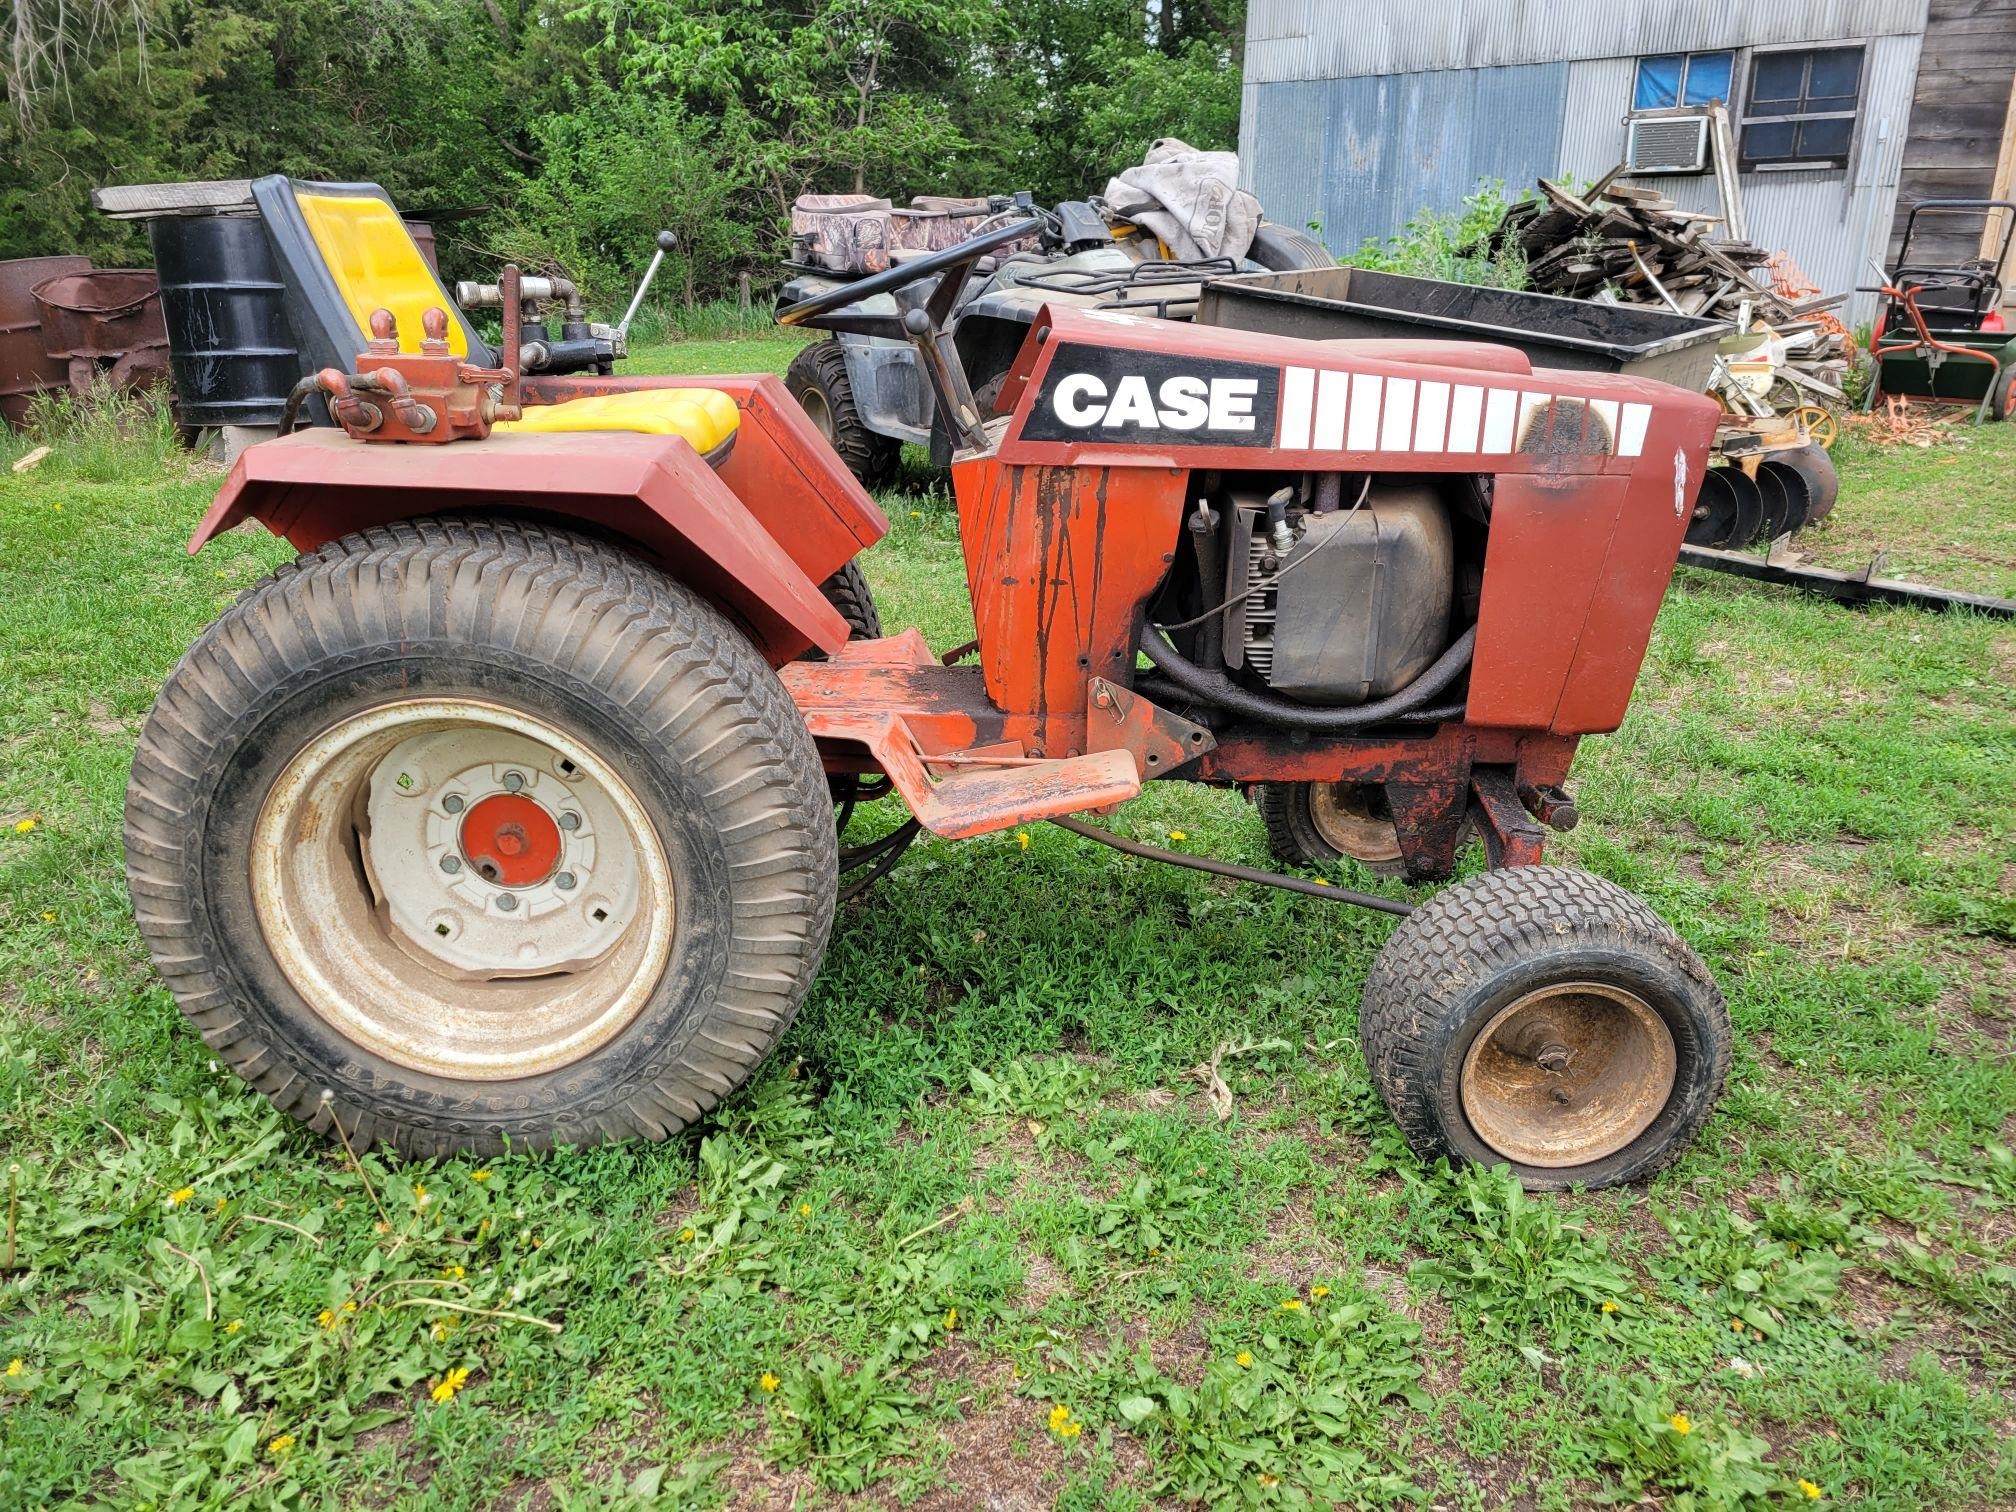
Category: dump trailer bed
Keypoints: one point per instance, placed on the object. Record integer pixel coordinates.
(1326, 303)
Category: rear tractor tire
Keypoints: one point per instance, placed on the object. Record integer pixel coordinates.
(1545, 1019)
(817, 379)
(466, 833)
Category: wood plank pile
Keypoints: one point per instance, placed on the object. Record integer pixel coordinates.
(1621, 244)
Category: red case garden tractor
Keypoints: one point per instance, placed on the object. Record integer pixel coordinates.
(507, 812)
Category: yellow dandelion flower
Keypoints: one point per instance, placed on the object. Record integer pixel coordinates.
(1319, 1292)
(1322, 882)
(916, 514)
(479, 1175)
(328, 1319)
(180, 1195)
(440, 1328)
(234, 1325)
(1063, 1424)
(1243, 1359)
(445, 1388)
(222, 1204)
(769, 1382)
(420, 1197)
(14, 1366)
(280, 1445)
(350, 1306)
(1178, 835)
(1810, 1491)
(1293, 1304)
(804, 1210)
(1609, 1306)
(453, 1272)
(24, 826)
(1022, 838)
(687, 1236)
(1680, 1423)
(48, 918)
(951, 1319)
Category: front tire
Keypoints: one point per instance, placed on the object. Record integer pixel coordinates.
(1545, 1019)
(470, 833)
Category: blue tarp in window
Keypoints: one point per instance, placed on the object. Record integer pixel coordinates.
(1658, 82)
(1707, 77)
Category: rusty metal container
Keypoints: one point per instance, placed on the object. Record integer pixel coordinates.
(25, 367)
(423, 238)
(101, 313)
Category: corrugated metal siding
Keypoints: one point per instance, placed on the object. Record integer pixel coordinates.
(1830, 221)
(1336, 39)
(1359, 156)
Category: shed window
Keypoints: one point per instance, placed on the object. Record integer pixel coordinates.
(1673, 79)
(1802, 106)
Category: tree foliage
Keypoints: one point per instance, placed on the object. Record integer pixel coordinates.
(565, 132)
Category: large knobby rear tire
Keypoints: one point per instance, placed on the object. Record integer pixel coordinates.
(847, 591)
(817, 379)
(1545, 1019)
(472, 833)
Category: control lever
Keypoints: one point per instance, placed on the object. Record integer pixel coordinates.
(667, 242)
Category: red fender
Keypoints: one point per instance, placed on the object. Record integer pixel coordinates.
(652, 492)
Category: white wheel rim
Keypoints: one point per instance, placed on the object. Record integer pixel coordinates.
(427, 929)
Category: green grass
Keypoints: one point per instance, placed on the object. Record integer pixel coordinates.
(979, 1184)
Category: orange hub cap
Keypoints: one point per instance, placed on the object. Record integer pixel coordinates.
(511, 841)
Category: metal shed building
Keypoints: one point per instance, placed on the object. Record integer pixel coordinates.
(1357, 113)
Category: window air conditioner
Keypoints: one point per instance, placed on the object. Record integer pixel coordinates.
(1667, 143)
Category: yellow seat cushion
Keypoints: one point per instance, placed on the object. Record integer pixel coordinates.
(705, 417)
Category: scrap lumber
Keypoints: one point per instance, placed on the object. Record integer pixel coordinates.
(1624, 243)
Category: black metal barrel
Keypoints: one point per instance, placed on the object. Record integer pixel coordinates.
(229, 343)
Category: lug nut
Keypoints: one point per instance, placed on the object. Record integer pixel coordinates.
(565, 881)
(513, 781)
(508, 902)
(570, 821)
(452, 803)
(451, 864)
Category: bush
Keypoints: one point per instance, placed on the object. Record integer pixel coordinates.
(1434, 244)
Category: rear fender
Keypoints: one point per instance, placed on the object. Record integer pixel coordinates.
(653, 493)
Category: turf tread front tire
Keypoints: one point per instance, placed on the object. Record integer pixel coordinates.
(658, 663)
(1436, 971)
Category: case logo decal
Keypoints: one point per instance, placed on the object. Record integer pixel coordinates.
(1154, 398)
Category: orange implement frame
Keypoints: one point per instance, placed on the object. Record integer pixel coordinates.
(1924, 344)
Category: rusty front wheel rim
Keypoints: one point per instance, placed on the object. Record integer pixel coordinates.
(1342, 814)
(366, 894)
(1568, 1075)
